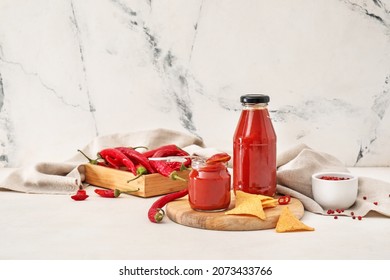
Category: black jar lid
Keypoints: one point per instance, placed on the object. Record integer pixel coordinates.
(254, 98)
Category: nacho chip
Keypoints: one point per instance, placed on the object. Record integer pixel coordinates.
(288, 222)
(247, 204)
(270, 203)
(264, 198)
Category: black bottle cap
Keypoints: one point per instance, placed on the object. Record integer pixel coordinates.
(254, 98)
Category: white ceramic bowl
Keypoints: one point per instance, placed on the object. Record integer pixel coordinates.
(335, 194)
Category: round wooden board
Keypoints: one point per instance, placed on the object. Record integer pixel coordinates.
(180, 212)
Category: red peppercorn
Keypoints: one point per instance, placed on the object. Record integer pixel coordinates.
(333, 178)
(335, 217)
(352, 213)
(376, 203)
(359, 218)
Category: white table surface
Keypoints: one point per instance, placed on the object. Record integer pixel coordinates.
(54, 227)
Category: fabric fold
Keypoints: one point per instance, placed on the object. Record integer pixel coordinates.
(294, 169)
(66, 177)
(298, 164)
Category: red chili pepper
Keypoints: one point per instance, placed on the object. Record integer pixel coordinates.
(108, 193)
(156, 213)
(283, 200)
(80, 195)
(169, 147)
(169, 169)
(136, 157)
(220, 157)
(112, 162)
(115, 156)
(178, 166)
(166, 169)
(170, 152)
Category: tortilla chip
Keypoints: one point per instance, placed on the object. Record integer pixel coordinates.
(264, 197)
(288, 222)
(247, 204)
(269, 203)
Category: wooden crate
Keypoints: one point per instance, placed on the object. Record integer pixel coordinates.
(148, 185)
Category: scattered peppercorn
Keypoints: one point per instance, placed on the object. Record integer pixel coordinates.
(359, 218)
(352, 213)
(335, 217)
(364, 197)
(333, 178)
(376, 203)
(354, 217)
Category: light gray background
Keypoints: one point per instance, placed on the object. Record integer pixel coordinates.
(71, 70)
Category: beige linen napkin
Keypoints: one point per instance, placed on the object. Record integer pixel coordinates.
(67, 177)
(295, 167)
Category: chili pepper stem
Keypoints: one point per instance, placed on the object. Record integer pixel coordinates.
(183, 167)
(174, 176)
(130, 191)
(156, 213)
(91, 161)
(117, 192)
(159, 215)
(135, 178)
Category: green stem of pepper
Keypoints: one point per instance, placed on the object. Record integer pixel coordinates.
(174, 176)
(135, 178)
(140, 171)
(91, 161)
(128, 192)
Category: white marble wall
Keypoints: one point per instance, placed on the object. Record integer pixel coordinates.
(74, 69)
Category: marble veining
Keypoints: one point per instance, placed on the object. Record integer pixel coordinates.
(92, 109)
(73, 70)
(376, 9)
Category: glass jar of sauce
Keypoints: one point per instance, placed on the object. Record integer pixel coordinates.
(254, 148)
(209, 186)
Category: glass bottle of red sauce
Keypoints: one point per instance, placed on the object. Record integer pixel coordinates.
(254, 148)
(209, 186)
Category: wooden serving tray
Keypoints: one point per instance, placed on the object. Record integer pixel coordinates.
(148, 185)
(180, 212)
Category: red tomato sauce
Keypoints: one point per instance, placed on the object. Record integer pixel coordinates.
(209, 187)
(254, 153)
